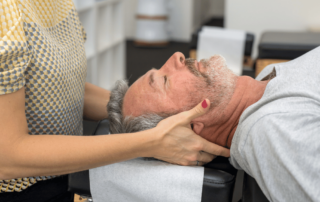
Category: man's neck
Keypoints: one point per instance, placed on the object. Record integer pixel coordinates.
(224, 120)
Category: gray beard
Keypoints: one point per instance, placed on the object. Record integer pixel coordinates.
(217, 83)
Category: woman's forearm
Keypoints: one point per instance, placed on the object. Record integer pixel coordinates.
(23, 155)
(41, 155)
(95, 102)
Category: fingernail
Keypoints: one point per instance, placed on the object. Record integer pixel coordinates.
(204, 104)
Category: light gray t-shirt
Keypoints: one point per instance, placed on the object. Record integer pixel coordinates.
(277, 141)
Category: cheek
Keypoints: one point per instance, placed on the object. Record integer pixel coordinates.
(181, 87)
(138, 103)
(157, 102)
(184, 94)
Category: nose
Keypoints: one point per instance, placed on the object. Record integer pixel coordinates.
(178, 60)
(175, 62)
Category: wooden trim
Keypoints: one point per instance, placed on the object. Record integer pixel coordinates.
(150, 44)
(147, 17)
(78, 198)
(262, 63)
(248, 62)
(193, 54)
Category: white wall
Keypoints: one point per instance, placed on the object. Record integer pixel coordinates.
(257, 16)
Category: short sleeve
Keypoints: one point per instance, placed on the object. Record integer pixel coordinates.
(14, 52)
(83, 31)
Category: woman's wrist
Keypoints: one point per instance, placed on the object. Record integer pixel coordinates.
(151, 142)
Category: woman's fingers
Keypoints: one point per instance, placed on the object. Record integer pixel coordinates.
(205, 157)
(185, 118)
(215, 149)
(180, 145)
(198, 163)
(208, 147)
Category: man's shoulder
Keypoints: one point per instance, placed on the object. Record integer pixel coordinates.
(287, 120)
(280, 144)
(279, 116)
(289, 126)
(295, 107)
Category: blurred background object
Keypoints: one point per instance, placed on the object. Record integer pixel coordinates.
(314, 28)
(258, 16)
(219, 41)
(184, 17)
(152, 23)
(111, 27)
(105, 43)
(277, 47)
(249, 39)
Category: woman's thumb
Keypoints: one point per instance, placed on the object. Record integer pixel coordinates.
(198, 110)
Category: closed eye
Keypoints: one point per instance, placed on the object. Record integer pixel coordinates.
(166, 82)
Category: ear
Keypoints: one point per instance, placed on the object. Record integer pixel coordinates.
(197, 127)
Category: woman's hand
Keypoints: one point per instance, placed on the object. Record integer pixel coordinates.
(180, 145)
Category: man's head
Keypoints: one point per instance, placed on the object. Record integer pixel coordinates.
(179, 85)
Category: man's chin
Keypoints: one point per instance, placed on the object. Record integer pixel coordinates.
(215, 61)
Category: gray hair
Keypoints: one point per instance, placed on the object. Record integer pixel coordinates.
(129, 124)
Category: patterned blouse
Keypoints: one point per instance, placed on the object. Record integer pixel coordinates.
(42, 49)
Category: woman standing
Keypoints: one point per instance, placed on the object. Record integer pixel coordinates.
(43, 98)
